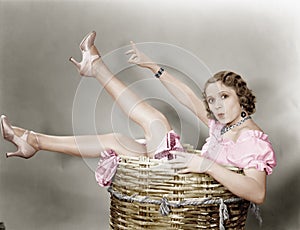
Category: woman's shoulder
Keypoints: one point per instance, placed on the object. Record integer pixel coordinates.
(251, 137)
(252, 130)
(255, 134)
(247, 134)
(254, 149)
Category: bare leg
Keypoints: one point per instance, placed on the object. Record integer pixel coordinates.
(84, 146)
(91, 145)
(153, 122)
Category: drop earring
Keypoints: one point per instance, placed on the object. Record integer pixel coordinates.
(243, 113)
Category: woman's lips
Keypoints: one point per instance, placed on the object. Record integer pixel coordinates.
(221, 115)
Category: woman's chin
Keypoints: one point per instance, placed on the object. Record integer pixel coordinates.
(221, 119)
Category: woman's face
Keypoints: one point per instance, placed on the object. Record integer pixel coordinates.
(223, 103)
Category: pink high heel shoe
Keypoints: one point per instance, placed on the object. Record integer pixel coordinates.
(89, 55)
(25, 150)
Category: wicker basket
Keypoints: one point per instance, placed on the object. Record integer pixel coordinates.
(144, 195)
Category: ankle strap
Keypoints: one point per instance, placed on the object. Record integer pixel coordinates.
(37, 140)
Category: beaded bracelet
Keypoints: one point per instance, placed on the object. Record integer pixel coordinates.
(159, 72)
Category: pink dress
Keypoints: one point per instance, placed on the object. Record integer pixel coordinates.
(109, 159)
(252, 149)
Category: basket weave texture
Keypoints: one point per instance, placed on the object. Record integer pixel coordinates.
(146, 195)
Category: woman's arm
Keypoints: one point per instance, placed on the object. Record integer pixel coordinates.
(184, 95)
(178, 89)
(251, 186)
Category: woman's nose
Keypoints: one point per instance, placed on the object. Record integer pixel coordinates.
(218, 104)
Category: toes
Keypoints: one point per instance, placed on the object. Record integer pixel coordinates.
(88, 41)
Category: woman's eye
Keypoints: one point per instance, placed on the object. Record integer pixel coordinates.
(210, 100)
(224, 96)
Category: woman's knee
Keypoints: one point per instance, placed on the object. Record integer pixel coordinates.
(156, 123)
(125, 145)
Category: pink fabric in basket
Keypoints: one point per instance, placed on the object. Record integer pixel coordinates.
(107, 167)
(109, 159)
(169, 143)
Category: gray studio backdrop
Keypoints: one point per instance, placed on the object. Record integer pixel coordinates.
(40, 90)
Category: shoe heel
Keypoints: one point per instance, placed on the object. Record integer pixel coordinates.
(14, 154)
(89, 55)
(25, 150)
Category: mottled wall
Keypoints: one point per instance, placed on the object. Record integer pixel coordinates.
(38, 88)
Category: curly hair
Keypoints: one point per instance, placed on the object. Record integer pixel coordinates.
(236, 82)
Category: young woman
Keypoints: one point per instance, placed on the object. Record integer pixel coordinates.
(234, 138)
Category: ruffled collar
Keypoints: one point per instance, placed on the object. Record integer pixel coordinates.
(245, 135)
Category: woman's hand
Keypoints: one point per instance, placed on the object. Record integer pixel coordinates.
(140, 59)
(188, 162)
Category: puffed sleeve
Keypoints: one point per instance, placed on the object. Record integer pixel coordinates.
(265, 160)
(255, 152)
